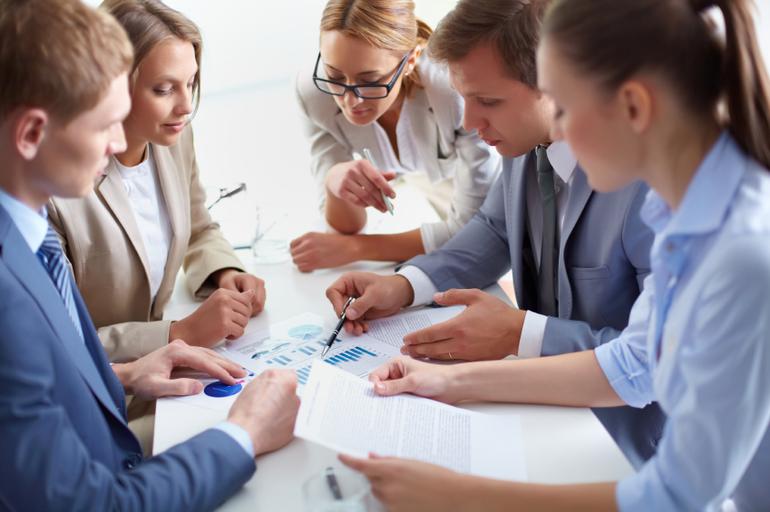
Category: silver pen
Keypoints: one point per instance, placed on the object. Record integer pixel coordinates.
(385, 199)
(338, 328)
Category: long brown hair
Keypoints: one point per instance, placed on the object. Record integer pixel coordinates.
(386, 24)
(612, 40)
(149, 22)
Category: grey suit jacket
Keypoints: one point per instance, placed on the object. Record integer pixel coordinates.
(603, 260)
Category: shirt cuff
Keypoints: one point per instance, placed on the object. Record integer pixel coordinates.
(622, 382)
(422, 286)
(532, 334)
(238, 435)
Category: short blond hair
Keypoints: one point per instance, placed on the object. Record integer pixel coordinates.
(150, 22)
(59, 55)
(386, 24)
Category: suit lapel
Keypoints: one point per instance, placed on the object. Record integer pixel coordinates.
(580, 193)
(22, 263)
(113, 194)
(517, 221)
(425, 130)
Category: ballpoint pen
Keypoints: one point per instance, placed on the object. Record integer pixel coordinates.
(385, 199)
(338, 328)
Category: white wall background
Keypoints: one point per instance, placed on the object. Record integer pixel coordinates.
(248, 127)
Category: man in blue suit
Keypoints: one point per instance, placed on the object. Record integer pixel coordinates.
(63, 432)
(578, 257)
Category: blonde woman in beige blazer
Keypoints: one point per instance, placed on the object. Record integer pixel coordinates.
(373, 88)
(104, 234)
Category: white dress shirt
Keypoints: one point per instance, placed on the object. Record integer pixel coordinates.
(563, 163)
(150, 213)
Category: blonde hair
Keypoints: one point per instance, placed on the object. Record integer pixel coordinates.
(386, 24)
(59, 55)
(148, 23)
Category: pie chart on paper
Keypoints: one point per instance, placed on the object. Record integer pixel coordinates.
(305, 332)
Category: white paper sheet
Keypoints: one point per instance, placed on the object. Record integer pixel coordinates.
(341, 412)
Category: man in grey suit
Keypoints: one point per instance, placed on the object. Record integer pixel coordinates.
(578, 257)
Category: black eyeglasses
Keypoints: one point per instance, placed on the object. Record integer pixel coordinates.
(364, 91)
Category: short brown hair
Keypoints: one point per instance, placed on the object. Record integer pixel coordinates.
(149, 22)
(59, 55)
(511, 26)
(386, 24)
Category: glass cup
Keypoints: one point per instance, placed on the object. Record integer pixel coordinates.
(264, 248)
(339, 489)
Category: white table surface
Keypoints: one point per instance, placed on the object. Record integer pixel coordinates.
(562, 444)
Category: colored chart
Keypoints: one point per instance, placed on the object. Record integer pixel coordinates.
(219, 389)
(357, 360)
(351, 355)
(305, 332)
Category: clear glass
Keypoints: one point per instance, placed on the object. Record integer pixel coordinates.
(265, 246)
(354, 492)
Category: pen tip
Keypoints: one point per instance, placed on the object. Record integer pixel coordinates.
(324, 351)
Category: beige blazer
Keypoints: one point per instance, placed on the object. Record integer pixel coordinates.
(448, 150)
(103, 243)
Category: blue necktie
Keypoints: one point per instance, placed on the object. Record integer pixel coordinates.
(52, 257)
(549, 253)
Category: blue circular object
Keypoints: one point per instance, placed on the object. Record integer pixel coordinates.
(219, 389)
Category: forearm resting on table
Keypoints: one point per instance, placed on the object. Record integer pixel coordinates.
(392, 247)
(346, 218)
(493, 495)
(574, 380)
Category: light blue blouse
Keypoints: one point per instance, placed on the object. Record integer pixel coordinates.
(698, 342)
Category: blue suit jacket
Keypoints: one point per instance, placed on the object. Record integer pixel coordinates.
(63, 432)
(604, 257)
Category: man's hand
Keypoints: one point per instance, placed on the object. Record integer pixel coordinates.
(377, 297)
(237, 281)
(224, 314)
(408, 485)
(267, 409)
(149, 377)
(487, 329)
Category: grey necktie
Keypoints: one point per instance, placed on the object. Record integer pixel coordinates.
(546, 279)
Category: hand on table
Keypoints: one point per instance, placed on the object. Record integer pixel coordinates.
(376, 297)
(359, 183)
(313, 251)
(407, 485)
(487, 329)
(149, 377)
(237, 281)
(406, 375)
(224, 314)
(267, 409)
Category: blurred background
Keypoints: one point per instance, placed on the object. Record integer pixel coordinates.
(248, 127)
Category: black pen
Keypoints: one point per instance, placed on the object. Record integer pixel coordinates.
(337, 329)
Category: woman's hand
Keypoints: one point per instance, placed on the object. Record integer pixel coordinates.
(312, 251)
(406, 375)
(359, 183)
(408, 485)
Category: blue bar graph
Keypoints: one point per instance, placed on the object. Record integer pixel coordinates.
(303, 374)
(350, 355)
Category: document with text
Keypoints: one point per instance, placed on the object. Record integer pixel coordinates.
(341, 411)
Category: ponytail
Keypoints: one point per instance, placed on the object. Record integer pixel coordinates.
(746, 85)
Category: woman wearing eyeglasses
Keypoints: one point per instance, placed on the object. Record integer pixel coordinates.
(372, 88)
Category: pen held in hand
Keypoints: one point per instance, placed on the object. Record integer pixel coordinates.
(338, 327)
(385, 199)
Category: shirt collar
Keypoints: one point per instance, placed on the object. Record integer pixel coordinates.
(562, 160)
(708, 197)
(32, 225)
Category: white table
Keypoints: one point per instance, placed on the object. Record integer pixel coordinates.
(563, 445)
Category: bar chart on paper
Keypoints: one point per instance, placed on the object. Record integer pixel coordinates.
(355, 359)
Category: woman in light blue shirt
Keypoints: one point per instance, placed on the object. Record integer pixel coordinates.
(647, 90)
